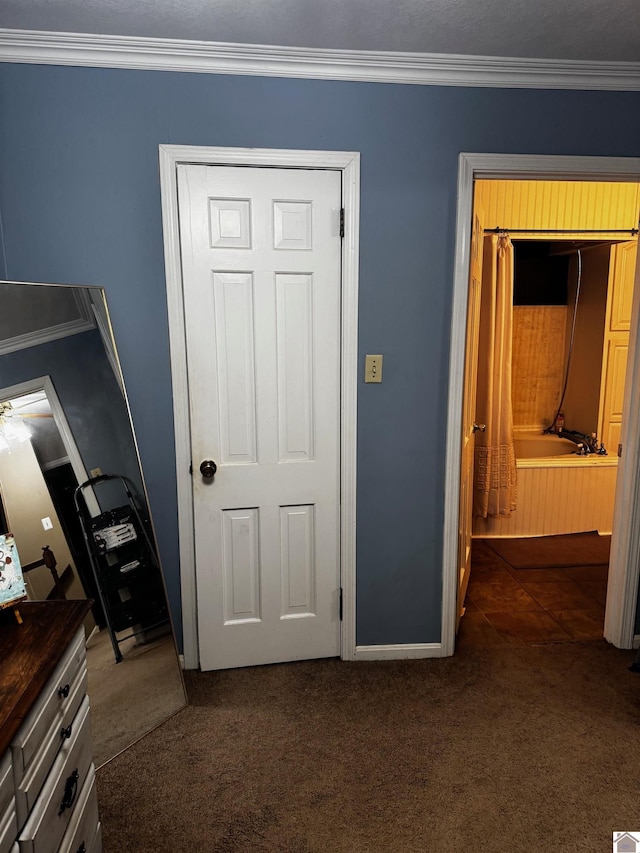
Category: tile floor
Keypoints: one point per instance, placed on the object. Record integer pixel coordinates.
(506, 605)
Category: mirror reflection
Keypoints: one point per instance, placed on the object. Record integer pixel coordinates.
(72, 494)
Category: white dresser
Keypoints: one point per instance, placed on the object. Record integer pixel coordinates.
(47, 779)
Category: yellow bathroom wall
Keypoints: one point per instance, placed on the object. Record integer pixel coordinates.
(537, 363)
(559, 205)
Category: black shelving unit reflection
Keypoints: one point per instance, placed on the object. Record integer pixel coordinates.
(124, 564)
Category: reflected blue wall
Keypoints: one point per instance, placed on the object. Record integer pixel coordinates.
(80, 197)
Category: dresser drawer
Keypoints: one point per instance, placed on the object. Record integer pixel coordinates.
(83, 825)
(55, 739)
(6, 783)
(50, 704)
(53, 809)
(8, 829)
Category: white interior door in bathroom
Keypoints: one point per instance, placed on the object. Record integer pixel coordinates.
(469, 426)
(261, 254)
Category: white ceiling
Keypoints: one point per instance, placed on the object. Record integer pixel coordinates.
(593, 30)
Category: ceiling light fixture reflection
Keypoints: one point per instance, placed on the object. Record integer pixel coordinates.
(12, 429)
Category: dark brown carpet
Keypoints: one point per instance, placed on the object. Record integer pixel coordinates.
(553, 552)
(528, 748)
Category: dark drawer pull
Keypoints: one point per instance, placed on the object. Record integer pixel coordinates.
(70, 791)
(82, 848)
(63, 692)
(66, 733)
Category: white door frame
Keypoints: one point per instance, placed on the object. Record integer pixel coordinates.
(625, 544)
(347, 162)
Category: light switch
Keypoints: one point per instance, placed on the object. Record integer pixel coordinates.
(47, 524)
(373, 368)
(96, 472)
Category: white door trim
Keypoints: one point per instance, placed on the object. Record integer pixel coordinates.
(625, 546)
(348, 162)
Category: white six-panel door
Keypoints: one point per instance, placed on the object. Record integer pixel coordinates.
(261, 255)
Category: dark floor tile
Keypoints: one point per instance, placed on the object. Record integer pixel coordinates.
(492, 597)
(476, 630)
(588, 573)
(538, 575)
(481, 553)
(595, 589)
(528, 627)
(566, 595)
(580, 624)
(470, 605)
(487, 573)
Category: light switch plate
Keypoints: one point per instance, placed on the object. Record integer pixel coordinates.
(96, 472)
(373, 368)
(47, 524)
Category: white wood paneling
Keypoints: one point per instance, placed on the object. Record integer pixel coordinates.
(558, 498)
(241, 566)
(297, 554)
(294, 295)
(233, 302)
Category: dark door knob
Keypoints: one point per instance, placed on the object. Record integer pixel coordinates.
(208, 469)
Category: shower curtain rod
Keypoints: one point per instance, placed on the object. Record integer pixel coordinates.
(632, 231)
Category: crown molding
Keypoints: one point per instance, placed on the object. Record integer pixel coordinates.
(423, 69)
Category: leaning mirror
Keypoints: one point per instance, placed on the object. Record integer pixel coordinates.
(72, 495)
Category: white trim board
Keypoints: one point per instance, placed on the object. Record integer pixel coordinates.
(401, 651)
(348, 162)
(625, 545)
(423, 69)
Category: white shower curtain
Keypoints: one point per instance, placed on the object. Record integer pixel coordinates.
(495, 473)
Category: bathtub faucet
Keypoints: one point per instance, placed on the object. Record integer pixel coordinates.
(587, 444)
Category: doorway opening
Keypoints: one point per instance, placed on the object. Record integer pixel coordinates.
(621, 598)
(540, 573)
(38, 476)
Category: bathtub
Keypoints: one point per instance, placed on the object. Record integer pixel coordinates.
(558, 491)
(535, 445)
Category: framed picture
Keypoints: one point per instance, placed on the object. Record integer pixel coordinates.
(12, 586)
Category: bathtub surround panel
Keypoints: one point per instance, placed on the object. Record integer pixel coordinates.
(538, 363)
(560, 494)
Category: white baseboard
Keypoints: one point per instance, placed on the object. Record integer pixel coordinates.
(181, 661)
(399, 652)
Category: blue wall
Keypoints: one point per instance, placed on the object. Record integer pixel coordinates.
(80, 201)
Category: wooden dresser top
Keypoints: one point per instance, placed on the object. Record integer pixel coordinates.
(29, 653)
